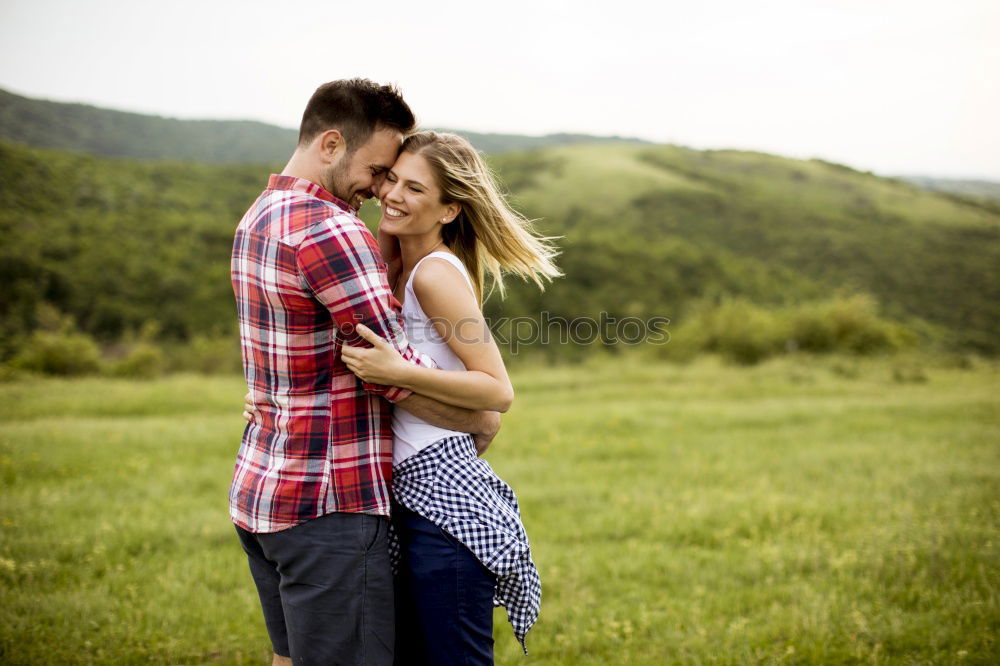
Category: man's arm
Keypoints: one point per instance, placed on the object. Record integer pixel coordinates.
(340, 262)
(483, 425)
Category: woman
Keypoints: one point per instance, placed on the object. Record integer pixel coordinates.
(459, 544)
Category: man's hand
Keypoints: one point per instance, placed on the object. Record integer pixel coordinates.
(491, 426)
(250, 413)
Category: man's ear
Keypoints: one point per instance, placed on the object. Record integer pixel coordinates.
(331, 142)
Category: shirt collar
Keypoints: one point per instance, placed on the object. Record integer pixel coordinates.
(279, 182)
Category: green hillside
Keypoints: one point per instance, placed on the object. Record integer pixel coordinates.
(97, 131)
(118, 243)
(642, 221)
(647, 232)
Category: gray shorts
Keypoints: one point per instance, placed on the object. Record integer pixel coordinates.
(326, 589)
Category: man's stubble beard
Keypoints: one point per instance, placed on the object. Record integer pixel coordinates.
(335, 180)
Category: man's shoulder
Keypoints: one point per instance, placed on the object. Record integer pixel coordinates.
(294, 218)
(337, 225)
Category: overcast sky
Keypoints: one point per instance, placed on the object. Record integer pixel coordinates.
(894, 86)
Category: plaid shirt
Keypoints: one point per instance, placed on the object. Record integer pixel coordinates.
(305, 270)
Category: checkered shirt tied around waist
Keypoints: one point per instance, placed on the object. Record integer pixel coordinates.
(450, 486)
(305, 271)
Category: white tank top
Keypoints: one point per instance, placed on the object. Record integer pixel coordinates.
(410, 434)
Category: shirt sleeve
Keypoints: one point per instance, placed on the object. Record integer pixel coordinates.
(340, 262)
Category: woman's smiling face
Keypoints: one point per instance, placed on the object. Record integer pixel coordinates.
(411, 198)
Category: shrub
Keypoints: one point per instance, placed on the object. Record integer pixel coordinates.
(856, 324)
(811, 330)
(736, 328)
(746, 333)
(210, 355)
(845, 323)
(59, 353)
(144, 360)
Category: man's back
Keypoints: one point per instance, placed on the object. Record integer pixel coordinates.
(304, 269)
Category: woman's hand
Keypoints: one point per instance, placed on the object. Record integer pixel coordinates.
(381, 364)
(250, 413)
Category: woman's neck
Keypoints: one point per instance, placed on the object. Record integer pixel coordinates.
(415, 248)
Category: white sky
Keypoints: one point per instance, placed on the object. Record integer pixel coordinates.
(895, 86)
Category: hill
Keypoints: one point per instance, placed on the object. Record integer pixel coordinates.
(663, 224)
(89, 129)
(97, 131)
(118, 243)
(647, 232)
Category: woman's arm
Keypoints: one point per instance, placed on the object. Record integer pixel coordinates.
(484, 425)
(446, 299)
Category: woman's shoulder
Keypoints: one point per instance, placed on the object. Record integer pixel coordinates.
(441, 258)
(440, 274)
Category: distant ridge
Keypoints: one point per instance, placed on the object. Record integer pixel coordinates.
(103, 132)
(108, 133)
(976, 190)
(496, 144)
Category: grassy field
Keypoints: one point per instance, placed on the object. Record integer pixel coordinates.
(801, 511)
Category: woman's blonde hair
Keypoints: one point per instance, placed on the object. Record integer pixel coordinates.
(489, 236)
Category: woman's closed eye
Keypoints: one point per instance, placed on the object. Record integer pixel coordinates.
(390, 177)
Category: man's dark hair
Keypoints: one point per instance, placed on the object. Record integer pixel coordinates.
(356, 107)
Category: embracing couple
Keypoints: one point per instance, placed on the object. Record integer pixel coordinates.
(355, 418)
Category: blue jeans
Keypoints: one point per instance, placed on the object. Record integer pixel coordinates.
(444, 597)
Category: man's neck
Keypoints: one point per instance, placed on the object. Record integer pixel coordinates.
(300, 166)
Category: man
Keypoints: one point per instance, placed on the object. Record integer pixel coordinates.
(310, 493)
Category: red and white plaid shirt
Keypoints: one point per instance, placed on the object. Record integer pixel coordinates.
(305, 270)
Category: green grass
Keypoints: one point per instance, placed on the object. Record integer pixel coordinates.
(800, 511)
